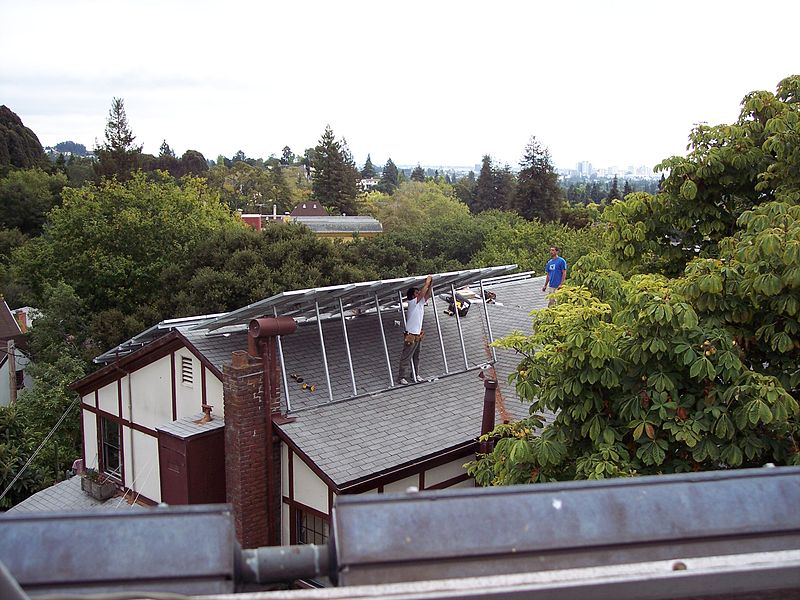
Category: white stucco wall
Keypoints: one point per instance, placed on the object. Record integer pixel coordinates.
(107, 399)
(214, 393)
(5, 382)
(446, 471)
(284, 494)
(90, 435)
(152, 394)
(402, 485)
(469, 483)
(141, 464)
(308, 488)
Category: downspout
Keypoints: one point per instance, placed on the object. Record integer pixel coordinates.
(130, 435)
(487, 423)
(264, 332)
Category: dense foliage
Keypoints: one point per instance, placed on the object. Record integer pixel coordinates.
(652, 374)
(674, 347)
(19, 146)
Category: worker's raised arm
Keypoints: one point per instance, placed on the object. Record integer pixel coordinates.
(425, 292)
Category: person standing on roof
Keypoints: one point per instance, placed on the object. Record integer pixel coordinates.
(555, 274)
(412, 337)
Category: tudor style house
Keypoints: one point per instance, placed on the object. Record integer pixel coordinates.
(281, 406)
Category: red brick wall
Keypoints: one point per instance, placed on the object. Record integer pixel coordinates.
(246, 448)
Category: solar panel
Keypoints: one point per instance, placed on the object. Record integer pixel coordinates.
(303, 303)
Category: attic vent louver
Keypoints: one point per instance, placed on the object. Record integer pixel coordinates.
(187, 372)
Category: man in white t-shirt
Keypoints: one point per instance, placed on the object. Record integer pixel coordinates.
(412, 338)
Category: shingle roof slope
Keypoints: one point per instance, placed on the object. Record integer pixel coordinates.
(383, 428)
(366, 435)
(9, 328)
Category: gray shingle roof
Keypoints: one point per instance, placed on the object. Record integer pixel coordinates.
(353, 439)
(383, 428)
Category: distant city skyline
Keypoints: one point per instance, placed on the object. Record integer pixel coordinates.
(617, 82)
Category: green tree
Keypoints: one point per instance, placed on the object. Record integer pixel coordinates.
(26, 196)
(464, 189)
(493, 187)
(287, 156)
(334, 178)
(628, 189)
(71, 147)
(640, 384)
(79, 170)
(117, 156)
(19, 146)
(60, 350)
(418, 174)
(413, 202)
(167, 161)
(728, 170)
(368, 172)
(192, 163)
(112, 241)
(390, 178)
(538, 194)
(613, 193)
(699, 372)
(233, 267)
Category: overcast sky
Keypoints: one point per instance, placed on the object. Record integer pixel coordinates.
(435, 82)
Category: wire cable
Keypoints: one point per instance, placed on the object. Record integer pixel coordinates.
(30, 460)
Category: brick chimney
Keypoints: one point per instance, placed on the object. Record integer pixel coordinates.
(251, 392)
(246, 419)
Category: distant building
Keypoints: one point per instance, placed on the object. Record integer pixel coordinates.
(342, 227)
(368, 184)
(314, 216)
(13, 360)
(309, 209)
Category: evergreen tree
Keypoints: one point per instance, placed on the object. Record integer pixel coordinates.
(167, 161)
(165, 150)
(493, 188)
(613, 193)
(334, 177)
(627, 189)
(117, 156)
(418, 174)
(390, 178)
(368, 172)
(538, 194)
(287, 156)
(483, 196)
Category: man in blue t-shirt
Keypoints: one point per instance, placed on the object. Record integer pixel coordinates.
(555, 273)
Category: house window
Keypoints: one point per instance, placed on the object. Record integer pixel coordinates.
(110, 439)
(20, 379)
(311, 528)
(187, 371)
